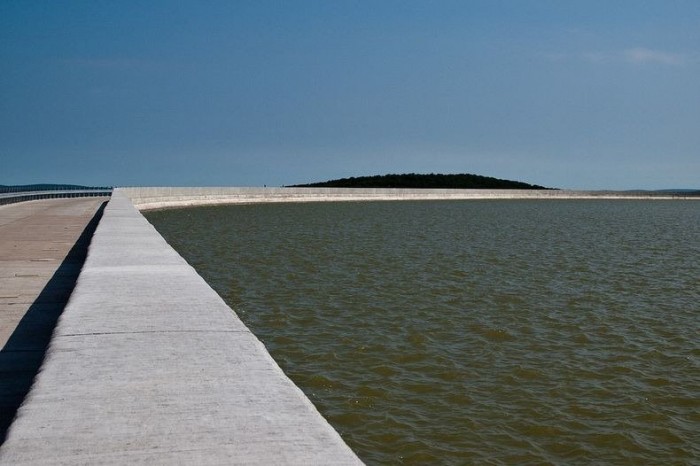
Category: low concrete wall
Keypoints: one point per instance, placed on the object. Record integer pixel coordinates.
(155, 198)
(149, 365)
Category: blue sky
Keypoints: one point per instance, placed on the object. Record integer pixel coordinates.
(572, 94)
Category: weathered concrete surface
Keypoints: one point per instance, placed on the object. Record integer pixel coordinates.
(155, 198)
(42, 248)
(149, 365)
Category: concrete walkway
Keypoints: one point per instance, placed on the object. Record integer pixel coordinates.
(148, 365)
(43, 245)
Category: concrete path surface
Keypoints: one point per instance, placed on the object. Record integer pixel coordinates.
(148, 365)
(42, 248)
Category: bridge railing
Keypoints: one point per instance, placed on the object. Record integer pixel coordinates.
(8, 195)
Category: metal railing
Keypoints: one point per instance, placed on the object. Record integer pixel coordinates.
(13, 194)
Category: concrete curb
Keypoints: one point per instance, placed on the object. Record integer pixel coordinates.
(156, 198)
(149, 365)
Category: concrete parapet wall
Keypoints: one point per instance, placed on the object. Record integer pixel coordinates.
(155, 198)
(148, 365)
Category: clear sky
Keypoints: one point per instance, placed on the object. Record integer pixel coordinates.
(573, 94)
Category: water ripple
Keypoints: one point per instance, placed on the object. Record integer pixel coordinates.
(481, 332)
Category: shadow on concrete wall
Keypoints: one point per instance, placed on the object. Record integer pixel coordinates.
(23, 354)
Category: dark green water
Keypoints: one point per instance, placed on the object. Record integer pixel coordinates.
(473, 332)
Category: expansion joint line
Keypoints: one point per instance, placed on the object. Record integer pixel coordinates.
(151, 331)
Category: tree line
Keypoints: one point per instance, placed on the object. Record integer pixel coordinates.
(421, 181)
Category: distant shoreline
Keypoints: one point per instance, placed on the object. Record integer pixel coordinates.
(149, 198)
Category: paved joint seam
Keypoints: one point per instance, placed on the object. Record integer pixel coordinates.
(152, 331)
(21, 350)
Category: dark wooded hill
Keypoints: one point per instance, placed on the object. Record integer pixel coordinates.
(418, 181)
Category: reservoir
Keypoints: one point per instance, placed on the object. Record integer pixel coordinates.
(481, 331)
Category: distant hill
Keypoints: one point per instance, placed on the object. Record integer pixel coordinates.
(686, 192)
(418, 181)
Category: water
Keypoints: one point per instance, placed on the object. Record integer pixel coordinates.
(473, 332)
